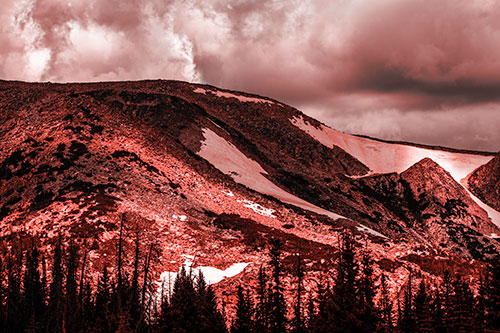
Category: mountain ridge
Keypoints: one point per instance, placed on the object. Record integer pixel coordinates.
(81, 156)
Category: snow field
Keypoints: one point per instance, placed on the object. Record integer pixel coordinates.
(383, 157)
(231, 161)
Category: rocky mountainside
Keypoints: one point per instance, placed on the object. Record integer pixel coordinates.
(208, 176)
(485, 182)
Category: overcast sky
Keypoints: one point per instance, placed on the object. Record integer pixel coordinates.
(417, 70)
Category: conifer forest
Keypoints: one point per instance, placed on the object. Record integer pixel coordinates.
(351, 299)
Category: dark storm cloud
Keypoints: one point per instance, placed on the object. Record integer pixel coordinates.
(383, 63)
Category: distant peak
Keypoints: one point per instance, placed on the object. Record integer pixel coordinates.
(427, 164)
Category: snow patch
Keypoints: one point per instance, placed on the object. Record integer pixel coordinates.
(212, 275)
(228, 193)
(231, 161)
(258, 208)
(180, 217)
(367, 230)
(230, 95)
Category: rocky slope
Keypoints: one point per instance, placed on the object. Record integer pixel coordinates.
(209, 175)
(485, 182)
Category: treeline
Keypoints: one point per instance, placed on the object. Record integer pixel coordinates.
(352, 299)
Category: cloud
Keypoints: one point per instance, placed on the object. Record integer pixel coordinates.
(389, 60)
(470, 127)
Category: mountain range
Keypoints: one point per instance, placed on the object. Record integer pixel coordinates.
(209, 175)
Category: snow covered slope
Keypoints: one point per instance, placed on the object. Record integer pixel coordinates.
(384, 157)
(228, 159)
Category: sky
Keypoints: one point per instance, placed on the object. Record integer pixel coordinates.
(424, 71)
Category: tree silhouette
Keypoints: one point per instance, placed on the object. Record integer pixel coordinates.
(243, 321)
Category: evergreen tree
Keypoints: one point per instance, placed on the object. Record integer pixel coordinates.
(33, 298)
(71, 311)
(81, 292)
(385, 306)
(3, 278)
(56, 304)
(133, 303)
(368, 313)
(446, 293)
(44, 284)
(182, 314)
(277, 307)
(324, 319)
(102, 302)
(119, 276)
(480, 317)
(87, 308)
(423, 314)
(407, 318)
(437, 313)
(311, 313)
(461, 309)
(345, 297)
(262, 306)
(14, 316)
(211, 319)
(298, 320)
(492, 295)
(243, 321)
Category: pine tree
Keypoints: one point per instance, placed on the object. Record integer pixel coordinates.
(56, 305)
(492, 295)
(71, 299)
(446, 293)
(3, 278)
(14, 316)
(423, 313)
(311, 313)
(345, 297)
(385, 306)
(480, 317)
(87, 308)
(368, 313)
(211, 319)
(461, 309)
(437, 313)
(407, 318)
(102, 302)
(44, 284)
(81, 293)
(277, 307)
(133, 303)
(348, 270)
(298, 320)
(243, 321)
(262, 306)
(324, 319)
(182, 314)
(119, 276)
(33, 298)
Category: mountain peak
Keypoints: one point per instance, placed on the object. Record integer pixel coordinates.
(426, 163)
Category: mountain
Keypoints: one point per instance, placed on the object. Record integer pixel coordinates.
(485, 182)
(208, 175)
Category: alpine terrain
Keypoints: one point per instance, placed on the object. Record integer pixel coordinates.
(195, 176)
